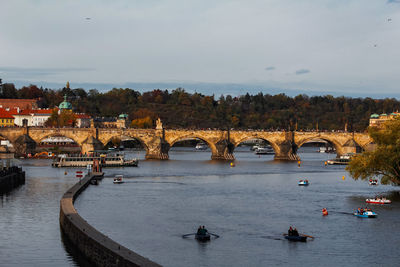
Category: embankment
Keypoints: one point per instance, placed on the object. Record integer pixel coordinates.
(98, 248)
(11, 178)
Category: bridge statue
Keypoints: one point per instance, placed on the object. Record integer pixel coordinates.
(159, 124)
(158, 143)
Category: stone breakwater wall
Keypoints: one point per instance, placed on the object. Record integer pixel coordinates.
(11, 178)
(97, 247)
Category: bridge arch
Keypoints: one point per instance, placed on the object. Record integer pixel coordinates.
(180, 138)
(341, 145)
(41, 138)
(274, 145)
(138, 138)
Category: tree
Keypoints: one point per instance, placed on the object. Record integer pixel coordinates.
(66, 118)
(384, 161)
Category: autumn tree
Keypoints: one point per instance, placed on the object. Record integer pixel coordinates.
(384, 161)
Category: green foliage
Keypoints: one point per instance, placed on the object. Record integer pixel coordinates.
(179, 108)
(384, 161)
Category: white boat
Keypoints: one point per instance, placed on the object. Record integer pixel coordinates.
(267, 150)
(118, 179)
(106, 159)
(342, 160)
(201, 146)
(322, 149)
(378, 200)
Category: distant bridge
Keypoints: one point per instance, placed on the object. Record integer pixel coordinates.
(157, 142)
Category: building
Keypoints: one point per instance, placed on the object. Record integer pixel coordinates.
(19, 103)
(35, 117)
(65, 105)
(121, 122)
(6, 119)
(377, 120)
(83, 120)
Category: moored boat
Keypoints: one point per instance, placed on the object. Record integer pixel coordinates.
(365, 213)
(118, 179)
(201, 146)
(299, 238)
(105, 159)
(342, 160)
(303, 183)
(378, 200)
(267, 150)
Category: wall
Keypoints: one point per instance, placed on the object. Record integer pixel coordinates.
(98, 248)
(11, 178)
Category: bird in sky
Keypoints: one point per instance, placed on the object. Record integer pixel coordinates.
(88, 18)
(389, 19)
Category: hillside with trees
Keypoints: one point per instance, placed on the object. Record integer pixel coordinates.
(178, 108)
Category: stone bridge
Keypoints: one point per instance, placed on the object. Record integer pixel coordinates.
(157, 142)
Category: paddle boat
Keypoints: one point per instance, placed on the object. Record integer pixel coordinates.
(365, 213)
(373, 182)
(378, 200)
(299, 238)
(303, 182)
(118, 179)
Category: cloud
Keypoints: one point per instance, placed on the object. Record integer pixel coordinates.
(269, 68)
(36, 72)
(302, 71)
(393, 1)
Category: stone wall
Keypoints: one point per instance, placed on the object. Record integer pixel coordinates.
(11, 178)
(97, 248)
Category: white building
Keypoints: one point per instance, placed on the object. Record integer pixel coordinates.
(36, 117)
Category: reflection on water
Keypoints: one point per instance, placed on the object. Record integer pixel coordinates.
(249, 206)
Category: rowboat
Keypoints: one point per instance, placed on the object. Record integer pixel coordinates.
(303, 183)
(365, 214)
(299, 238)
(378, 201)
(203, 237)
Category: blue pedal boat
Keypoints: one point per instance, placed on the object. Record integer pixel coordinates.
(366, 214)
(303, 183)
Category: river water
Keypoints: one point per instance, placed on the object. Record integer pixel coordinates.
(249, 206)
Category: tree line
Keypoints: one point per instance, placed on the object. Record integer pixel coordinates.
(180, 109)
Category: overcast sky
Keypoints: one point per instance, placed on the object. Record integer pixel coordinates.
(343, 46)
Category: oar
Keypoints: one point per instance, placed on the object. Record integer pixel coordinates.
(188, 235)
(307, 236)
(214, 234)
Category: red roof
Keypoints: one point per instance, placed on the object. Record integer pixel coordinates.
(82, 116)
(19, 103)
(4, 114)
(32, 111)
(42, 111)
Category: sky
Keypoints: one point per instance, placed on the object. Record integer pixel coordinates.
(339, 47)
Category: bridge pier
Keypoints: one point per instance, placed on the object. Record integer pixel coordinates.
(24, 145)
(157, 148)
(223, 151)
(286, 151)
(91, 144)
